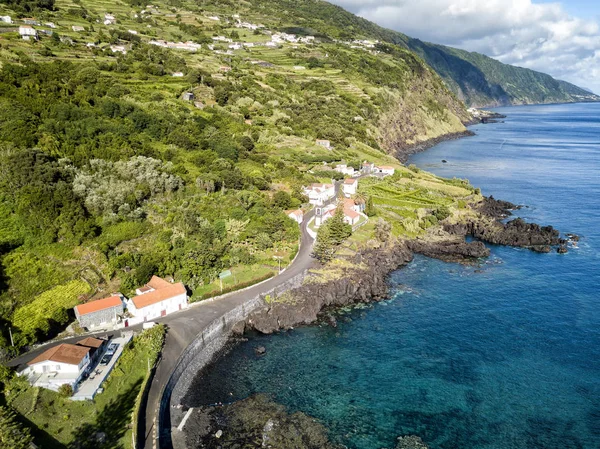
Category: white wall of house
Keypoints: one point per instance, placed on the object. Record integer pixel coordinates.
(320, 196)
(298, 218)
(50, 366)
(350, 220)
(156, 310)
(349, 189)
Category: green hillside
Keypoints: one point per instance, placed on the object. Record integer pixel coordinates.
(475, 78)
(109, 173)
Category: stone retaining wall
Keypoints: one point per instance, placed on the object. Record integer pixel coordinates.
(201, 352)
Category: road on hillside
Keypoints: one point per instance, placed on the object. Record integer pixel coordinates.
(185, 325)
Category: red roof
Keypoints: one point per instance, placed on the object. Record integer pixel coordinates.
(64, 353)
(386, 167)
(350, 213)
(297, 212)
(162, 290)
(100, 304)
(157, 283)
(91, 342)
(350, 181)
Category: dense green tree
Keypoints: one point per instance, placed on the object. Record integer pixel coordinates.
(282, 199)
(324, 248)
(338, 229)
(370, 210)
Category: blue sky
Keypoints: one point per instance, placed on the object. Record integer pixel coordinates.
(561, 38)
(581, 8)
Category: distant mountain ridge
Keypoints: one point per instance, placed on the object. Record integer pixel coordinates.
(483, 81)
(476, 79)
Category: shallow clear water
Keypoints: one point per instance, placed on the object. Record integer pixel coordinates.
(502, 356)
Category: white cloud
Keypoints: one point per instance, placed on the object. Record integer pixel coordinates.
(542, 37)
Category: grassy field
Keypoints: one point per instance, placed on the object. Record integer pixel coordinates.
(241, 276)
(60, 423)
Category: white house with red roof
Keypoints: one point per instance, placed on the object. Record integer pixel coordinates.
(102, 312)
(59, 365)
(386, 170)
(351, 217)
(297, 215)
(350, 187)
(156, 299)
(324, 143)
(318, 194)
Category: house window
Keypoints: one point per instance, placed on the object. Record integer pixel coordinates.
(57, 367)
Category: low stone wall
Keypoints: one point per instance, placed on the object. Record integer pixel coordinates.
(201, 352)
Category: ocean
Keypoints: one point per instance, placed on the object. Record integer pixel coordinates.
(504, 355)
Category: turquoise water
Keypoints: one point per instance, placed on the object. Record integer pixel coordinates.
(501, 356)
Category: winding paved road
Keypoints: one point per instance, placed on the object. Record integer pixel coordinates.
(184, 326)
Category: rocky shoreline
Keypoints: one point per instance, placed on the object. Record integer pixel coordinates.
(404, 152)
(260, 422)
(363, 279)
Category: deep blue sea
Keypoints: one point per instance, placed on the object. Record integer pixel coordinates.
(501, 356)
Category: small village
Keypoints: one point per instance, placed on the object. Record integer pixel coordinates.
(32, 29)
(84, 365)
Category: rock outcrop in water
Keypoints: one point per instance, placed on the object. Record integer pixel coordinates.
(410, 442)
(450, 250)
(256, 422)
(487, 227)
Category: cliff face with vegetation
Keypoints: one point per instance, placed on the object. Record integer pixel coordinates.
(475, 78)
(482, 81)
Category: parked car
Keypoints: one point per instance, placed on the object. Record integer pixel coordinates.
(112, 348)
(148, 325)
(106, 359)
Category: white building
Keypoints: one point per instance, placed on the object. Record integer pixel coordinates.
(59, 365)
(344, 169)
(50, 25)
(177, 74)
(385, 170)
(351, 217)
(100, 313)
(318, 194)
(349, 187)
(155, 299)
(118, 49)
(324, 143)
(367, 167)
(322, 214)
(132, 32)
(6, 19)
(109, 19)
(77, 28)
(27, 32)
(296, 215)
